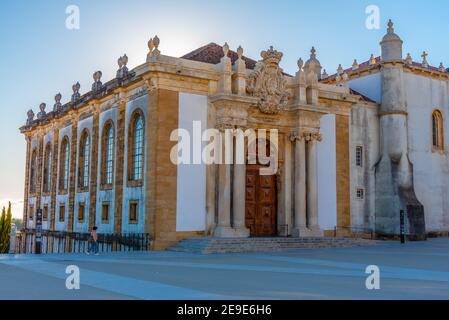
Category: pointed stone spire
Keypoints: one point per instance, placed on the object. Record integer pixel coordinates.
(424, 56)
(355, 65)
(313, 64)
(391, 45)
(408, 59)
(441, 68)
(372, 60)
(239, 81)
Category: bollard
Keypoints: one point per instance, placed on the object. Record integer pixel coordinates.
(402, 227)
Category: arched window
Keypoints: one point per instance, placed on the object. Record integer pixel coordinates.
(33, 172)
(64, 166)
(83, 161)
(108, 154)
(47, 168)
(136, 147)
(437, 130)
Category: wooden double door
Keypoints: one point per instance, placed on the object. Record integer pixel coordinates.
(261, 213)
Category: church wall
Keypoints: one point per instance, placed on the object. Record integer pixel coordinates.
(364, 133)
(131, 193)
(191, 178)
(431, 169)
(106, 196)
(63, 198)
(327, 179)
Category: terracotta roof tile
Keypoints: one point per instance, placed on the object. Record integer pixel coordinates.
(212, 53)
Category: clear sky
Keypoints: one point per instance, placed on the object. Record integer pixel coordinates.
(40, 57)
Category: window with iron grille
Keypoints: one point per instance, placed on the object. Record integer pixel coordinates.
(137, 149)
(133, 212)
(61, 212)
(360, 194)
(359, 156)
(109, 155)
(45, 213)
(105, 212)
(81, 209)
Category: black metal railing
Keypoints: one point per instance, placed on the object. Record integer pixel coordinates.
(75, 242)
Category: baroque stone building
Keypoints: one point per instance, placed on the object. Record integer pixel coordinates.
(345, 162)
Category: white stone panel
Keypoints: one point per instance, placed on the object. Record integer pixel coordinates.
(327, 177)
(191, 181)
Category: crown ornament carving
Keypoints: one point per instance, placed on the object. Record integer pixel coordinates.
(267, 83)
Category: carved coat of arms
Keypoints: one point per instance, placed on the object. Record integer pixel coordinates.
(268, 83)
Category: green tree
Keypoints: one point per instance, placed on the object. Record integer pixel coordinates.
(2, 229)
(7, 229)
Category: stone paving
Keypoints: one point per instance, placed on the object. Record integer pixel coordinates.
(417, 270)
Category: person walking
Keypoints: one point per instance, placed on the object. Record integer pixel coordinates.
(93, 246)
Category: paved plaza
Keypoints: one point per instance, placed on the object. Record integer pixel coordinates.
(417, 270)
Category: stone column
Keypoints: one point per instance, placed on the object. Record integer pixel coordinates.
(27, 182)
(72, 175)
(312, 185)
(239, 187)
(54, 178)
(300, 228)
(223, 228)
(120, 163)
(40, 157)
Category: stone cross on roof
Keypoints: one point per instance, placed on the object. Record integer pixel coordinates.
(424, 56)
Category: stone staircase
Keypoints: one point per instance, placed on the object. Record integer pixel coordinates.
(242, 245)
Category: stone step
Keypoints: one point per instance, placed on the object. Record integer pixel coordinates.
(241, 245)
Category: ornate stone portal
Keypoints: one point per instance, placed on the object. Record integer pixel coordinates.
(240, 95)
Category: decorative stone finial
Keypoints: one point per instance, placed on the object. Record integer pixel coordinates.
(408, 59)
(340, 69)
(226, 49)
(123, 70)
(355, 65)
(324, 75)
(97, 85)
(300, 64)
(313, 64)
(41, 114)
(390, 27)
(76, 92)
(441, 68)
(424, 56)
(30, 117)
(153, 46)
(240, 52)
(57, 106)
(372, 60)
(271, 56)
(313, 53)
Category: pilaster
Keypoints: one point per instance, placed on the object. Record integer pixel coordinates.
(120, 162)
